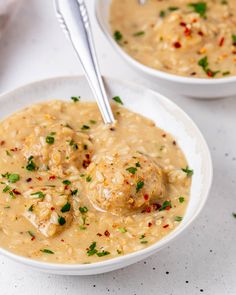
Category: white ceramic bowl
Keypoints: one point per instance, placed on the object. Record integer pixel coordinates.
(148, 103)
(193, 87)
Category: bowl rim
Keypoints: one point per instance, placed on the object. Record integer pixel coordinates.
(143, 252)
(152, 71)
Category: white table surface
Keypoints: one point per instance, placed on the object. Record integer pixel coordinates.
(203, 260)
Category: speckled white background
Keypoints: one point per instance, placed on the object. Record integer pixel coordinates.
(203, 260)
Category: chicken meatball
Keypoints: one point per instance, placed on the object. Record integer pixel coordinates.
(124, 185)
(57, 148)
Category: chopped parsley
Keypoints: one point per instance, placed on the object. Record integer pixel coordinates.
(66, 182)
(93, 122)
(11, 177)
(139, 186)
(83, 209)
(204, 64)
(188, 171)
(47, 251)
(75, 98)
(178, 218)
(31, 234)
(166, 205)
(103, 253)
(234, 215)
(74, 192)
(39, 195)
(132, 170)
(226, 73)
(50, 139)
(117, 99)
(199, 7)
(138, 165)
(181, 199)
(234, 39)
(173, 8)
(144, 242)
(6, 189)
(162, 13)
(140, 33)
(118, 36)
(61, 220)
(92, 249)
(85, 127)
(88, 178)
(65, 208)
(31, 165)
(122, 230)
(31, 208)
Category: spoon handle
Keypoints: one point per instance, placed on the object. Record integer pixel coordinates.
(74, 19)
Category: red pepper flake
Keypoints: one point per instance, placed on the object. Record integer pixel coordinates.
(86, 163)
(146, 197)
(200, 33)
(209, 73)
(52, 208)
(187, 32)
(107, 233)
(164, 135)
(148, 210)
(33, 238)
(52, 177)
(66, 187)
(149, 224)
(165, 226)
(15, 149)
(222, 40)
(39, 178)
(29, 179)
(99, 235)
(183, 24)
(194, 20)
(168, 208)
(177, 44)
(62, 240)
(156, 206)
(234, 52)
(174, 142)
(2, 142)
(16, 192)
(87, 156)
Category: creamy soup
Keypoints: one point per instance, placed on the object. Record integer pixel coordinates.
(74, 190)
(183, 37)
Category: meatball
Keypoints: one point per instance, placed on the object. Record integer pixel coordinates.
(57, 148)
(124, 185)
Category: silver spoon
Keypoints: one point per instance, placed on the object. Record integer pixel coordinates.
(74, 19)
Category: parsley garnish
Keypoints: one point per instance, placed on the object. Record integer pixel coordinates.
(31, 165)
(12, 177)
(199, 7)
(48, 251)
(50, 139)
(234, 39)
(31, 234)
(178, 218)
(61, 220)
(66, 182)
(132, 170)
(31, 208)
(83, 209)
(204, 64)
(85, 127)
(88, 178)
(117, 99)
(137, 164)
(122, 230)
(40, 195)
(93, 122)
(165, 205)
(188, 171)
(118, 36)
(92, 249)
(234, 215)
(173, 8)
(65, 208)
(103, 253)
(137, 34)
(74, 192)
(181, 199)
(139, 185)
(162, 13)
(75, 98)
(6, 189)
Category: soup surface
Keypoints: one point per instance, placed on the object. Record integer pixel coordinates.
(183, 37)
(74, 190)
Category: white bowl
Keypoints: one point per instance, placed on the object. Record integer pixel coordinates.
(167, 116)
(193, 87)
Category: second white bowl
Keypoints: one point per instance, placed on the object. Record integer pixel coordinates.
(193, 87)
